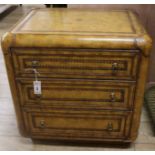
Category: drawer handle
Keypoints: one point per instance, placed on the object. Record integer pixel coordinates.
(112, 96)
(42, 123)
(35, 63)
(110, 127)
(38, 96)
(114, 67)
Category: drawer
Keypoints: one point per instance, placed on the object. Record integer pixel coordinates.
(93, 64)
(78, 125)
(78, 94)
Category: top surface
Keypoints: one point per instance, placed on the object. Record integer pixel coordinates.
(76, 21)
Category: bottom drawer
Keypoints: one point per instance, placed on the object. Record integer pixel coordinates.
(79, 125)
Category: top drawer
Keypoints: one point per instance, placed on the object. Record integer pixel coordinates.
(74, 63)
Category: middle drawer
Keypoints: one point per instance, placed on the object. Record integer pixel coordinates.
(78, 94)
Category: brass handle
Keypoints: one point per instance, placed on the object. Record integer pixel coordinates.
(110, 127)
(35, 63)
(114, 67)
(42, 123)
(38, 96)
(112, 96)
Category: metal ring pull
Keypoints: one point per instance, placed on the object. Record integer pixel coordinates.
(35, 63)
(42, 123)
(114, 67)
(110, 127)
(112, 96)
(38, 96)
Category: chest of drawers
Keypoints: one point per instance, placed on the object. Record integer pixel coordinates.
(92, 66)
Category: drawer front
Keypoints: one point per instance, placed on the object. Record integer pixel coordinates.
(98, 64)
(79, 125)
(78, 94)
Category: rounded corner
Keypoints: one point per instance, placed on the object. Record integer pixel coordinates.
(145, 44)
(6, 41)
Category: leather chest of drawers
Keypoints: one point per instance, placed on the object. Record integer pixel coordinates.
(92, 66)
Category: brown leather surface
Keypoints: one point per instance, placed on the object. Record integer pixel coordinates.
(146, 13)
(100, 64)
(73, 50)
(74, 28)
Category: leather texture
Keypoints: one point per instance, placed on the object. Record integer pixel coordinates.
(145, 13)
(92, 72)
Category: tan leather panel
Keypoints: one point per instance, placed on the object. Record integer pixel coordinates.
(75, 21)
(93, 67)
(73, 63)
(74, 28)
(79, 125)
(79, 94)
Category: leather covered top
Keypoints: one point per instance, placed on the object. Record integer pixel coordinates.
(79, 28)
